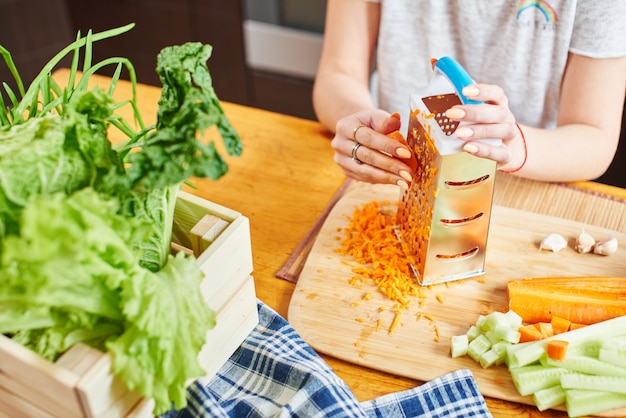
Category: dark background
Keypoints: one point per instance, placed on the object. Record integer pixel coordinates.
(35, 30)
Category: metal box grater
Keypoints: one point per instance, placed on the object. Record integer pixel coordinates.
(443, 218)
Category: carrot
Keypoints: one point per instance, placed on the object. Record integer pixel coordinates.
(583, 299)
(559, 325)
(576, 325)
(556, 349)
(545, 329)
(529, 333)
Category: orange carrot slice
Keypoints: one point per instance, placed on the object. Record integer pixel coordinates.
(529, 333)
(557, 349)
(559, 325)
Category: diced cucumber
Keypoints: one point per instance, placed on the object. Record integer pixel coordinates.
(514, 320)
(472, 332)
(488, 358)
(581, 402)
(478, 346)
(532, 378)
(593, 382)
(507, 333)
(587, 365)
(459, 345)
(549, 397)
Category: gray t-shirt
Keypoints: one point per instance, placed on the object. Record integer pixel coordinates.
(521, 46)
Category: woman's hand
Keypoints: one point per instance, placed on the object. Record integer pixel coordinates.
(365, 152)
(490, 119)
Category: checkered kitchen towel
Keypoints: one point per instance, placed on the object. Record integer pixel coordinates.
(276, 374)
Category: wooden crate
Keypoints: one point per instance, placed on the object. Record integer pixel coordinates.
(79, 383)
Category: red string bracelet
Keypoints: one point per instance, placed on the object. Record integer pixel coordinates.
(525, 153)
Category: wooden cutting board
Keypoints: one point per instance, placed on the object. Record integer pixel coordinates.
(333, 317)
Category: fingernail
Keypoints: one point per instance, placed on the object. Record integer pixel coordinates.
(463, 132)
(395, 115)
(406, 175)
(403, 184)
(403, 153)
(455, 113)
(471, 148)
(470, 91)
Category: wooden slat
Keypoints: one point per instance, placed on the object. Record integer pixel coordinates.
(54, 387)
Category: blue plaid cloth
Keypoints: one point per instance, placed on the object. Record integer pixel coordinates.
(274, 373)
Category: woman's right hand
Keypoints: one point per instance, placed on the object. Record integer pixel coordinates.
(366, 152)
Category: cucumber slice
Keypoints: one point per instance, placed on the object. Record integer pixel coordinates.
(593, 382)
(617, 358)
(488, 358)
(478, 346)
(549, 397)
(472, 332)
(532, 378)
(587, 365)
(459, 345)
(581, 402)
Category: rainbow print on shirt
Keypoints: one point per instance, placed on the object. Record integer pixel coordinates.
(543, 6)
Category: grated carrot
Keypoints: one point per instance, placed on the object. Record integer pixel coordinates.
(371, 240)
(396, 321)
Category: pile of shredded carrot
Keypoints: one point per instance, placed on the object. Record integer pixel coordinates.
(371, 239)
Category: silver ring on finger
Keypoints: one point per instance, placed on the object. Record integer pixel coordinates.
(354, 131)
(354, 149)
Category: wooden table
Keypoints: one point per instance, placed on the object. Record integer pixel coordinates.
(283, 182)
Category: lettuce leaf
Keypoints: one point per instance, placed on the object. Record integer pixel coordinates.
(90, 287)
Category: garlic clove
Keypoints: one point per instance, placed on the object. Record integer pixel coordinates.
(607, 247)
(553, 242)
(584, 242)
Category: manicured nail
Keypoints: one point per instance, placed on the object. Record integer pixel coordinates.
(406, 175)
(464, 132)
(395, 115)
(403, 184)
(403, 153)
(455, 113)
(470, 91)
(471, 148)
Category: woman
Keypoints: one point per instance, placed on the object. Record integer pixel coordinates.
(551, 75)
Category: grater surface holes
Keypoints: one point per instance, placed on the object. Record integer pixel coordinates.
(438, 105)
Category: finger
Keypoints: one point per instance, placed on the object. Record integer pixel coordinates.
(499, 154)
(367, 173)
(488, 93)
(481, 113)
(502, 131)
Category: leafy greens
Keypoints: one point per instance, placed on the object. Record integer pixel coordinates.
(85, 227)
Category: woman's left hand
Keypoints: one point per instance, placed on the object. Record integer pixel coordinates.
(488, 120)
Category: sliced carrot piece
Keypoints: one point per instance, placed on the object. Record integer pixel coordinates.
(529, 333)
(545, 329)
(559, 325)
(576, 325)
(557, 349)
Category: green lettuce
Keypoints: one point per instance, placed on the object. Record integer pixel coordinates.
(85, 227)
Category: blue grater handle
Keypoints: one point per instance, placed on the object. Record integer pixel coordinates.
(457, 76)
